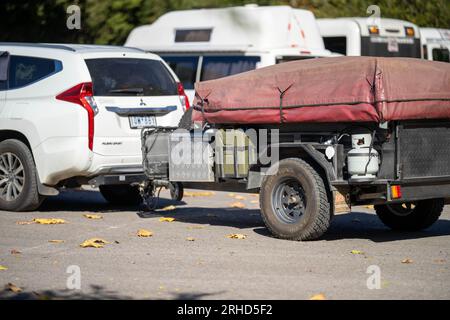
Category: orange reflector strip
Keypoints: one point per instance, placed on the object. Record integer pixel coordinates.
(396, 192)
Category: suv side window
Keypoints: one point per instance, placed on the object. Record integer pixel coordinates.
(27, 70)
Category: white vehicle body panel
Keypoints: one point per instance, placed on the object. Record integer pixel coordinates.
(434, 38)
(57, 131)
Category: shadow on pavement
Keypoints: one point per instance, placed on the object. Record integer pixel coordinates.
(89, 200)
(95, 293)
(229, 217)
(362, 225)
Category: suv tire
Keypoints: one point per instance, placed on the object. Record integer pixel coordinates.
(18, 182)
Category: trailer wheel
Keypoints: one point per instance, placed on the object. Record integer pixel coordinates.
(176, 191)
(294, 202)
(410, 216)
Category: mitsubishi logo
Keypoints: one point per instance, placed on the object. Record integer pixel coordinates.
(142, 104)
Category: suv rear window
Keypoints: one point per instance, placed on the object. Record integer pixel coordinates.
(130, 76)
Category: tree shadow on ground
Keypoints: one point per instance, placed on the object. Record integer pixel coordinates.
(95, 293)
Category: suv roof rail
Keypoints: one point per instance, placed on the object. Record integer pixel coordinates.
(38, 45)
(68, 47)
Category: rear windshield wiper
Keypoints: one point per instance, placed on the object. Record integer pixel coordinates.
(137, 91)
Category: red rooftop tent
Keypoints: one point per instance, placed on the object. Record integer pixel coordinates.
(340, 89)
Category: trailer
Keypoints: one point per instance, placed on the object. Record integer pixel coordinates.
(315, 138)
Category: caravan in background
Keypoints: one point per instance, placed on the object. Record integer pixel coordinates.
(360, 37)
(436, 44)
(207, 44)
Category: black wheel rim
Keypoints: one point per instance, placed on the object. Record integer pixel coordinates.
(402, 209)
(289, 201)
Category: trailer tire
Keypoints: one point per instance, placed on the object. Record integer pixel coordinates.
(186, 120)
(404, 217)
(121, 194)
(176, 191)
(306, 215)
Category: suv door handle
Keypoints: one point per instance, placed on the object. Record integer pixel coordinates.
(141, 111)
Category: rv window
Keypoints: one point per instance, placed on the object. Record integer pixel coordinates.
(185, 68)
(441, 55)
(193, 35)
(336, 44)
(292, 58)
(218, 67)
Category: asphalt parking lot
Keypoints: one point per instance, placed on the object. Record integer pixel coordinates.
(192, 257)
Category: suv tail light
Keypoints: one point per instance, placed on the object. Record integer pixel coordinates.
(183, 97)
(82, 94)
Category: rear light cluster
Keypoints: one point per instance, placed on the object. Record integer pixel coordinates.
(396, 192)
(183, 97)
(409, 31)
(83, 95)
(374, 30)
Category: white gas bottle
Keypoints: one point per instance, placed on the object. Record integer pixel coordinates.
(363, 161)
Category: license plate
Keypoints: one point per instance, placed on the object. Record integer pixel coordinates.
(138, 122)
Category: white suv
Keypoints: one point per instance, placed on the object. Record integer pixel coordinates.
(72, 115)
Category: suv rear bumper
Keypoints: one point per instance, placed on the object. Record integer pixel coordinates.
(130, 178)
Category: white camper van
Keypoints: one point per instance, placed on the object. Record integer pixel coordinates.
(436, 44)
(207, 44)
(371, 37)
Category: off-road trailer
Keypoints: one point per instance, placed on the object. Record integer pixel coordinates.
(402, 168)
(316, 137)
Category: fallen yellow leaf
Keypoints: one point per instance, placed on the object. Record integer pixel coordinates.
(369, 207)
(238, 197)
(21, 223)
(49, 221)
(56, 241)
(93, 216)
(190, 239)
(231, 195)
(144, 233)
(238, 205)
(237, 236)
(94, 243)
(3, 268)
(356, 252)
(319, 296)
(254, 195)
(198, 194)
(254, 201)
(166, 219)
(407, 261)
(168, 208)
(12, 287)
